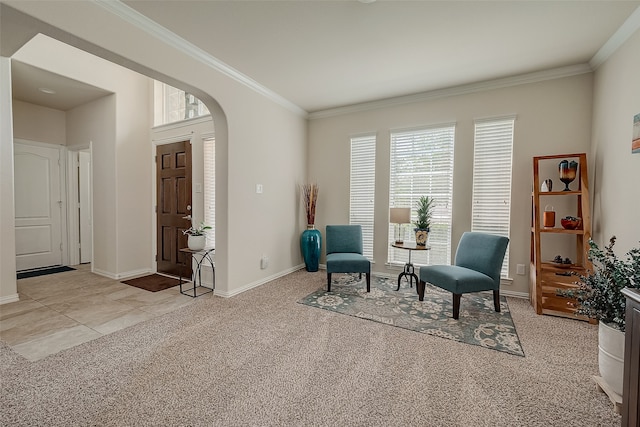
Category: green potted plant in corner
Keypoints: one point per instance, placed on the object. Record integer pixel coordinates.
(600, 297)
(425, 207)
(197, 238)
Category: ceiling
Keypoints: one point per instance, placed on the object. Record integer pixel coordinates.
(31, 84)
(326, 54)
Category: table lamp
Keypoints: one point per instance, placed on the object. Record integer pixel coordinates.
(399, 216)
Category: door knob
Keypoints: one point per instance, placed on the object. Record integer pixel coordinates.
(187, 217)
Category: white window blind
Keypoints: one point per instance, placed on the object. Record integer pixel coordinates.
(209, 155)
(362, 188)
(422, 165)
(492, 154)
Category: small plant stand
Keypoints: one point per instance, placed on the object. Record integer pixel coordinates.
(197, 287)
(615, 398)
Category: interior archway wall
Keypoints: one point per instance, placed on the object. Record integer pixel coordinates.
(264, 134)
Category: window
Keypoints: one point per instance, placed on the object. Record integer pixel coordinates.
(362, 188)
(209, 155)
(422, 165)
(492, 154)
(173, 105)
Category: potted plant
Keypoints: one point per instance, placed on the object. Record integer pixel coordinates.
(599, 296)
(197, 239)
(423, 223)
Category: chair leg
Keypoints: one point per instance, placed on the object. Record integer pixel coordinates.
(360, 276)
(421, 285)
(456, 306)
(496, 300)
(368, 281)
(328, 282)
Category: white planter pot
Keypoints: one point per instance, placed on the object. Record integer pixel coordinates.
(611, 356)
(196, 243)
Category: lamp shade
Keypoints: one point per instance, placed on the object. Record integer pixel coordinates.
(400, 215)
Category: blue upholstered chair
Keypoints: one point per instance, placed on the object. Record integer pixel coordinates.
(344, 252)
(477, 268)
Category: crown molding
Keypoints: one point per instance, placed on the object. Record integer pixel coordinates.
(539, 76)
(630, 26)
(168, 37)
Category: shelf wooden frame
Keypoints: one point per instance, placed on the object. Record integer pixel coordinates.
(545, 277)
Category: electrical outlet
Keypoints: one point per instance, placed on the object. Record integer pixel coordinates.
(520, 269)
(264, 262)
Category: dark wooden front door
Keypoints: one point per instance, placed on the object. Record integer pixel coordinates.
(173, 164)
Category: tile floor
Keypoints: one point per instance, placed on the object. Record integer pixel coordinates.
(62, 310)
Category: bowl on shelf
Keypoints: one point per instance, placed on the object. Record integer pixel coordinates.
(570, 222)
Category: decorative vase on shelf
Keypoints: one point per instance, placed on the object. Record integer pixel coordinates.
(310, 244)
(196, 243)
(567, 170)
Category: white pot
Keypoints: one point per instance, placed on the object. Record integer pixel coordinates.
(196, 243)
(611, 356)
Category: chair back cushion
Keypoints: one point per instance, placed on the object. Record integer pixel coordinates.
(344, 239)
(482, 252)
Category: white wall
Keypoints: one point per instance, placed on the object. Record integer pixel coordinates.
(616, 196)
(552, 118)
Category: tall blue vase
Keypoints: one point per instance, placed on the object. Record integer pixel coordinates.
(310, 243)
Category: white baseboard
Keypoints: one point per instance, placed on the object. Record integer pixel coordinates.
(134, 273)
(125, 275)
(258, 282)
(515, 294)
(9, 298)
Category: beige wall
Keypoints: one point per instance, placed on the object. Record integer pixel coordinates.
(94, 125)
(8, 288)
(36, 123)
(122, 193)
(616, 197)
(259, 140)
(552, 118)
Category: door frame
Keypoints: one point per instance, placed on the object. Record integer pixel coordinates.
(154, 200)
(63, 191)
(72, 191)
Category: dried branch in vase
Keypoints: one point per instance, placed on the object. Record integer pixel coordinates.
(310, 195)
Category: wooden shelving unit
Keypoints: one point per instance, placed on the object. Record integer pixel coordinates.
(546, 277)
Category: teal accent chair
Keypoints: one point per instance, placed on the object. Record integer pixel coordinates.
(344, 252)
(477, 268)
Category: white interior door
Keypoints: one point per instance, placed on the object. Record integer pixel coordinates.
(38, 206)
(84, 196)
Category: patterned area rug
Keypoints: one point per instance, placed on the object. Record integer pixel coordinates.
(479, 324)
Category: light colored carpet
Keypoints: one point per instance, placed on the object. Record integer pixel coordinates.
(261, 359)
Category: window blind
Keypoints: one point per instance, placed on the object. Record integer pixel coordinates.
(362, 188)
(209, 155)
(492, 168)
(422, 165)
